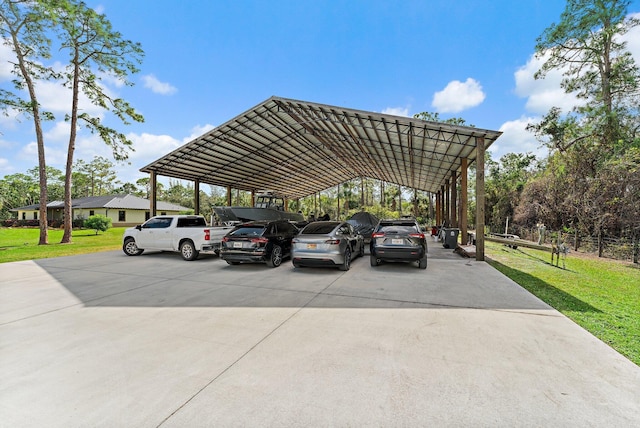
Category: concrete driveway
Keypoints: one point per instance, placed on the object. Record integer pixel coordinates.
(106, 340)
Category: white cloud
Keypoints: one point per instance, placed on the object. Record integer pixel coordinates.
(56, 98)
(5, 66)
(60, 132)
(55, 156)
(197, 131)
(5, 167)
(10, 119)
(458, 96)
(516, 139)
(150, 81)
(542, 94)
(633, 40)
(397, 111)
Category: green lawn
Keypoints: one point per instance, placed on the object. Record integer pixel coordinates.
(601, 295)
(22, 243)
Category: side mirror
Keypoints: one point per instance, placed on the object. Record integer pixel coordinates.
(139, 227)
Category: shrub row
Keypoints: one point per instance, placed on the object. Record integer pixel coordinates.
(55, 224)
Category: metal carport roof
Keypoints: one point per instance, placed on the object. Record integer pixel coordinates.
(297, 148)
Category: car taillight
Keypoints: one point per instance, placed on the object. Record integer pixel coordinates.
(207, 235)
(377, 235)
(294, 241)
(225, 239)
(417, 235)
(259, 240)
(332, 241)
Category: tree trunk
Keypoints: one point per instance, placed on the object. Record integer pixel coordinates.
(68, 208)
(42, 168)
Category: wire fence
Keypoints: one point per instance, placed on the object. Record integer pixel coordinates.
(625, 248)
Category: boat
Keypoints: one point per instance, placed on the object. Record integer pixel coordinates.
(268, 206)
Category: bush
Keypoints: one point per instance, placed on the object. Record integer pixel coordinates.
(98, 223)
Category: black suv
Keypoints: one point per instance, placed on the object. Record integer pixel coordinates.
(258, 242)
(398, 241)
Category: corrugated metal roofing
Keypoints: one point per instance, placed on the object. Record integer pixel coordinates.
(297, 148)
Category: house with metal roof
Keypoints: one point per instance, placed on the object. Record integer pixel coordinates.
(123, 210)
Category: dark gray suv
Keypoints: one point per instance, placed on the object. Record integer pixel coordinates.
(399, 240)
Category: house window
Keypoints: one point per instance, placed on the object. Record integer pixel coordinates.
(35, 215)
(92, 212)
(121, 216)
(163, 213)
(24, 216)
(147, 216)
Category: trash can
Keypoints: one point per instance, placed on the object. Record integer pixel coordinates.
(450, 237)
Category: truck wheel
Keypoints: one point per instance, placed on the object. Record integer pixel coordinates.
(188, 251)
(374, 261)
(346, 264)
(130, 248)
(276, 257)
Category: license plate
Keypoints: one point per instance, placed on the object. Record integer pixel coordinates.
(237, 245)
(397, 241)
(311, 246)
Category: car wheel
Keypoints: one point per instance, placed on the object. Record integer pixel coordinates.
(276, 257)
(130, 248)
(374, 261)
(188, 251)
(346, 264)
(422, 263)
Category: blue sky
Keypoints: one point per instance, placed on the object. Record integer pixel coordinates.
(207, 61)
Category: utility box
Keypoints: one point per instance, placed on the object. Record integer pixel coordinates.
(450, 237)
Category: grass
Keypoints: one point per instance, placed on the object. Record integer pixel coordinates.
(22, 243)
(601, 295)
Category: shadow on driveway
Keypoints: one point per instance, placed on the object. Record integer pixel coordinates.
(165, 280)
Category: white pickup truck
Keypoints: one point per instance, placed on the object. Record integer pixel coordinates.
(188, 234)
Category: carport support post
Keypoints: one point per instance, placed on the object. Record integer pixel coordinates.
(480, 195)
(454, 197)
(437, 215)
(338, 203)
(447, 203)
(153, 189)
(228, 196)
(463, 201)
(196, 189)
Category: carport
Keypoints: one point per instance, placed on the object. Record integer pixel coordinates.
(297, 148)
